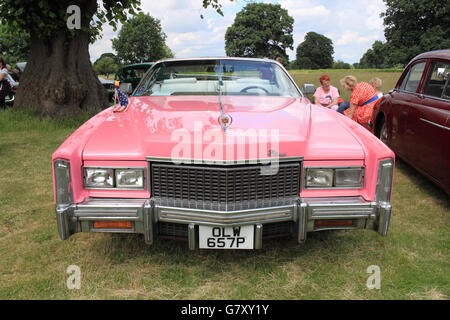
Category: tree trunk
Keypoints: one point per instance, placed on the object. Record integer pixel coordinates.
(59, 79)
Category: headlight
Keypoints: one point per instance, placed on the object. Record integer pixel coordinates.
(319, 177)
(98, 178)
(129, 178)
(114, 178)
(352, 177)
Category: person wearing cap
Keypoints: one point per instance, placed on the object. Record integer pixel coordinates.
(326, 95)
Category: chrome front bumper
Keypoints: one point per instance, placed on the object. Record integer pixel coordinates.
(145, 215)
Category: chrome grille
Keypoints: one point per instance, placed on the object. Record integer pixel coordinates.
(224, 188)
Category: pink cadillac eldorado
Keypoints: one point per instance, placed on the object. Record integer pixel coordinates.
(223, 153)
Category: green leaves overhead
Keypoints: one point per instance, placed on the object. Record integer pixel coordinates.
(45, 18)
(415, 26)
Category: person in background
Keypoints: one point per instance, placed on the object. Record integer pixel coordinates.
(326, 95)
(362, 100)
(3, 78)
(278, 59)
(376, 83)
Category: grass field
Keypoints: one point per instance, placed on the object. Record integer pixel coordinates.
(389, 79)
(413, 259)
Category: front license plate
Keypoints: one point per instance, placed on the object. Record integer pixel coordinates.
(239, 237)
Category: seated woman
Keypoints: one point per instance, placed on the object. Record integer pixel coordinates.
(362, 100)
(326, 95)
(376, 84)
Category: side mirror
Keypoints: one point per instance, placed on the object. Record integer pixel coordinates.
(126, 88)
(308, 88)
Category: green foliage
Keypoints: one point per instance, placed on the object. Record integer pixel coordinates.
(315, 52)
(341, 65)
(44, 18)
(415, 26)
(105, 65)
(108, 55)
(141, 39)
(260, 30)
(14, 45)
(215, 4)
(377, 57)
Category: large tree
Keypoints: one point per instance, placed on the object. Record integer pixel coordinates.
(415, 26)
(376, 57)
(260, 30)
(59, 78)
(105, 65)
(315, 52)
(140, 39)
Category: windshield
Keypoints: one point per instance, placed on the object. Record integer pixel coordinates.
(211, 76)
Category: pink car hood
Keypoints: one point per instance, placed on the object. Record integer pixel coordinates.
(154, 126)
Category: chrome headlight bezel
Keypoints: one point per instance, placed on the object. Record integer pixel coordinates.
(334, 180)
(113, 173)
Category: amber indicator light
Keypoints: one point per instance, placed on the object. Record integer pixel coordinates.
(333, 223)
(112, 225)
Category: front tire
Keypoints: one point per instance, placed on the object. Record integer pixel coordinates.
(382, 133)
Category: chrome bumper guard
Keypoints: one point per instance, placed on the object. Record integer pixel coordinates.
(145, 214)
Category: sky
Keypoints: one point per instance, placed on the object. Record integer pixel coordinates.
(352, 25)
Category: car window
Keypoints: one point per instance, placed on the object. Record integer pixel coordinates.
(437, 78)
(229, 77)
(411, 81)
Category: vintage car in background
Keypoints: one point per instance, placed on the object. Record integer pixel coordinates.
(132, 74)
(108, 85)
(222, 153)
(414, 118)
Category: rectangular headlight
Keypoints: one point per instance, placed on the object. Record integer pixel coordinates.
(349, 177)
(129, 178)
(98, 178)
(319, 177)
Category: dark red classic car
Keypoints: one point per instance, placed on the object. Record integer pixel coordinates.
(414, 118)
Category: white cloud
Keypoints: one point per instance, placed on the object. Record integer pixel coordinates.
(353, 25)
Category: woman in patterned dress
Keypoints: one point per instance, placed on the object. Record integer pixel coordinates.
(362, 100)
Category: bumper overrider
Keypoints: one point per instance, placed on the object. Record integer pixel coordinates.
(148, 217)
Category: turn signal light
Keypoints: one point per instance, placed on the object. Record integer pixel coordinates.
(112, 225)
(333, 223)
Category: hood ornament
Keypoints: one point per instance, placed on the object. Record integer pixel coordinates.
(224, 119)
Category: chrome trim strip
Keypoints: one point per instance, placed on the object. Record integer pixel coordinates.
(223, 218)
(302, 222)
(435, 124)
(223, 162)
(258, 236)
(191, 236)
(384, 218)
(110, 209)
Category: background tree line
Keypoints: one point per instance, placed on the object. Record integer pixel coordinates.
(60, 78)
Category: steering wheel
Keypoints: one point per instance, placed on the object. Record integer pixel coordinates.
(254, 87)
